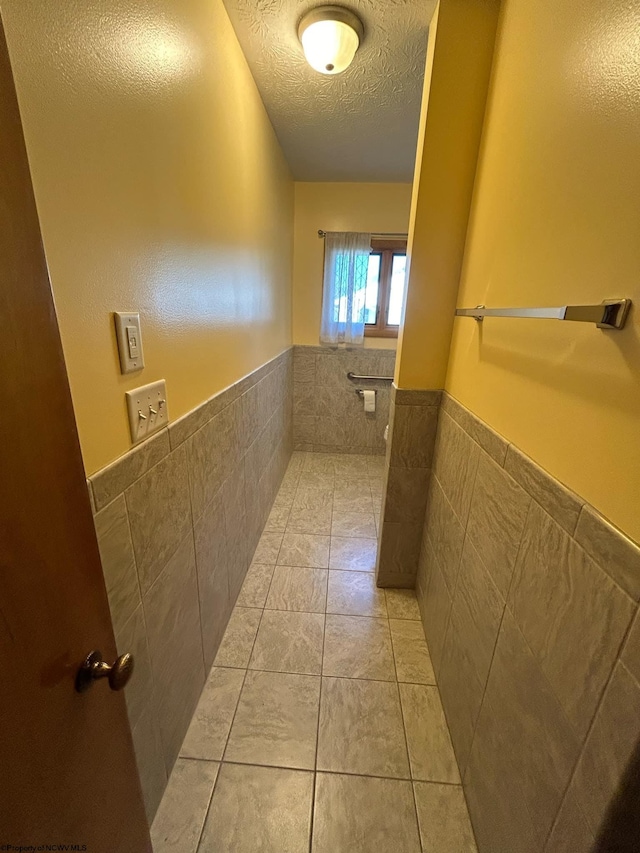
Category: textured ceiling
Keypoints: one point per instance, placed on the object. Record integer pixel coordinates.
(361, 125)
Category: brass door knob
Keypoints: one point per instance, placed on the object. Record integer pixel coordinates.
(93, 668)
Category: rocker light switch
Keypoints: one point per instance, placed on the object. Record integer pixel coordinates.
(129, 341)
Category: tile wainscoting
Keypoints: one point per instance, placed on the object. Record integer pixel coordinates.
(413, 421)
(328, 416)
(178, 519)
(529, 601)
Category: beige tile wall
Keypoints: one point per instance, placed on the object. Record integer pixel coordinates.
(178, 520)
(529, 602)
(328, 416)
(413, 420)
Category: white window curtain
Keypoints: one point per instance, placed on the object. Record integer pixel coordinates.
(346, 259)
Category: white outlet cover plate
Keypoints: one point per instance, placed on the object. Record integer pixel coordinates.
(142, 421)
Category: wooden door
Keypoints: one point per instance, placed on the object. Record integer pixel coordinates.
(67, 766)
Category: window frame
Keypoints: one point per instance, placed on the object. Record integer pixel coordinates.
(386, 249)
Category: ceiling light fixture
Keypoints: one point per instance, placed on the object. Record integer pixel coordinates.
(330, 37)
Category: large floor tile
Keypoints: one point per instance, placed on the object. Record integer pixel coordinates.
(377, 491)
(278, 517)
(355, 594)
(289, 642)
(319, 463)
(180, 818)
(430, 750)
(304, 549)
(353, 466)
(276, 721)
(443, 818)
(268, 548)
(352, 554)
(376, 466)
(311, 511)
(349, 491)
(285, 496)
(295, 588)
(209, 729)
(358, 647)
(357, 524)
(361, 503)
(410, 651)
(402, 604)
(361, 729)
(316, 480)
(237, 643)
(263, 809)
(354, 814)
(256, 586)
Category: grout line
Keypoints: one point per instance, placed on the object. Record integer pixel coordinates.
(315, 762)
(193, 758)
(406, 744)
(343, 773)
(206, 817)
(246, 670)
(208, 809)
(585, 738)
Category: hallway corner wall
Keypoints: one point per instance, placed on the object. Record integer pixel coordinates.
(413, 420)
(161, 188)
(178, 519)
(458, 69)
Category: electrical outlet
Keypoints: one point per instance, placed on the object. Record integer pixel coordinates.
(148, 409)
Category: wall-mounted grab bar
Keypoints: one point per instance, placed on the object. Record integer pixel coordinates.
(610, 314)
(356, 377)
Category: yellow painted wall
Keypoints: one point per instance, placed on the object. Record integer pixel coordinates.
(555, 220)
(161, 189)
(337, 207)
(458, 67)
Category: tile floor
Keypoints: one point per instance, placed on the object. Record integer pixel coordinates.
(320, 727)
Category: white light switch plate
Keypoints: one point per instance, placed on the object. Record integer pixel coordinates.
(129, 341)
(148, 409)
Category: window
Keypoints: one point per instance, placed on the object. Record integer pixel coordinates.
(385, 288)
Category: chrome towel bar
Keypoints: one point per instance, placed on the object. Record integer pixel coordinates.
(355, 377)
(610, 314)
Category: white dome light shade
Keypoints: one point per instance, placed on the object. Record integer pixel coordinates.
(330, 37)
